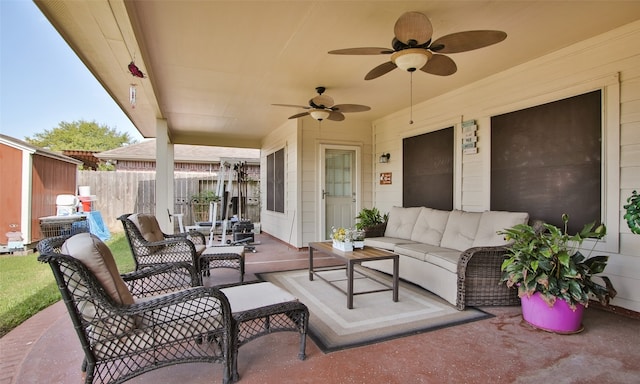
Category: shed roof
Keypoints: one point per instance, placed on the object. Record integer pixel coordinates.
(24, 146)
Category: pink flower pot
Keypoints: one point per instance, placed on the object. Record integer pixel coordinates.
(560, 318)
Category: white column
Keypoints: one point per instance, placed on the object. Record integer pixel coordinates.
(25, 200)
(164, 176)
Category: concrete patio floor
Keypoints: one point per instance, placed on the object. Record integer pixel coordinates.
(503, 349)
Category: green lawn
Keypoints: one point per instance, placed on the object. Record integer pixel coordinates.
(28, 286)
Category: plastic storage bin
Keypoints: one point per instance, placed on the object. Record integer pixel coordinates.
(52, 226)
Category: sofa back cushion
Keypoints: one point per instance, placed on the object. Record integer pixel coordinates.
(148, 226)
(461, 230)
(97, 257)
(493, 221)
(430, 226)
(401, 222)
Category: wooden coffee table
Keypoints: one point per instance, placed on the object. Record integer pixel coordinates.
(351, 259)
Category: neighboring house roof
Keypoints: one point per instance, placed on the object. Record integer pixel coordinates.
(24, 146)
(146, 151)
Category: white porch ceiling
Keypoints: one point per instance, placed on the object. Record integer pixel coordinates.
(215, 67)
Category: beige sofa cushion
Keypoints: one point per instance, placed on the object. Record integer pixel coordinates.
(418, 251)
(388, 243)
(461, 229)
(401, 222)
(493, 221)
(430, 226)
(445, 258)
(148, 226)
(97, 257)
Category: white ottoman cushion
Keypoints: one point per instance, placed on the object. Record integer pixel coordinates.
(251, 296)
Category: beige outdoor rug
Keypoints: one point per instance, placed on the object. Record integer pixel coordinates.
(374, 317)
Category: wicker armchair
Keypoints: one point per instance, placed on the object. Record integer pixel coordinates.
(150, 281)
(150, 246)
(479, 277)
(123, 337)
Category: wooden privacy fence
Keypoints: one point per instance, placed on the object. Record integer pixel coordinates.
(134, 191)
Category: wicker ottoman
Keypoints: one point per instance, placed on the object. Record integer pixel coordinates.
(222, 257)
(263, 308)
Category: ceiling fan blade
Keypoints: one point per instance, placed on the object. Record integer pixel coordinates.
(321, 101)
(335, 116)
(467, 41)
(380, 70)
(413, 28)
(362, 51)
(440, 65)
(299, 115)
(346, 108)
(291, 105)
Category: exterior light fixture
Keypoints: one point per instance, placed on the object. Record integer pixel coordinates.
(319, 114)
(411, 59)
(384, 158)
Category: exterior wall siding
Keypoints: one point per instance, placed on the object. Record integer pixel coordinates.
(282, 226)
(50, 178)
(253, 170)
(11, 191)
(568, 72)
(302, 139)
(350, 132)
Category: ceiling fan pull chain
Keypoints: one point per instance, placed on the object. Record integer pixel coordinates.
(411, 98)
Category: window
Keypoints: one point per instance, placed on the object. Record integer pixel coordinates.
(338, 173)
(546, 160)
(275, 181)
(427, 166)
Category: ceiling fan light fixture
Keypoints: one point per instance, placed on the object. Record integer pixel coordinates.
(319, 114)
(411, 59)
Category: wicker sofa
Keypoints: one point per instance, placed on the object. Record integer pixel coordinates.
(454, 254)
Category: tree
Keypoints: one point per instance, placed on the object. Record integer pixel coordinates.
(80, 135)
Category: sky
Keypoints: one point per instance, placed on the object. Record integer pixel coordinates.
(43, 82)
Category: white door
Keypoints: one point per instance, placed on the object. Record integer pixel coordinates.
(340, 187)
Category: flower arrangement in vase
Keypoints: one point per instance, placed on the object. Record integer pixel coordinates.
(342, 239)
(358, 238)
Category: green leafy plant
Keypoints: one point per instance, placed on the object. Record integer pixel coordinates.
(632, 215)
(200, 204)
(369, 218)
(357, 235)
(547, 260)
(204, 197)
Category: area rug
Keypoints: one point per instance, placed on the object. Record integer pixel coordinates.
(375, 317)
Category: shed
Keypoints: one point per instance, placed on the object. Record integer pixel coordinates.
(32, 177)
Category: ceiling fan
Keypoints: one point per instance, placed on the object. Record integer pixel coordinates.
(413, 48)
(321, 107)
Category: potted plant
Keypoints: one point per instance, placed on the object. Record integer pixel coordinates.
(357, 236)
(553, 278)
(632, 214)
(200, 203)
(372, 222)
